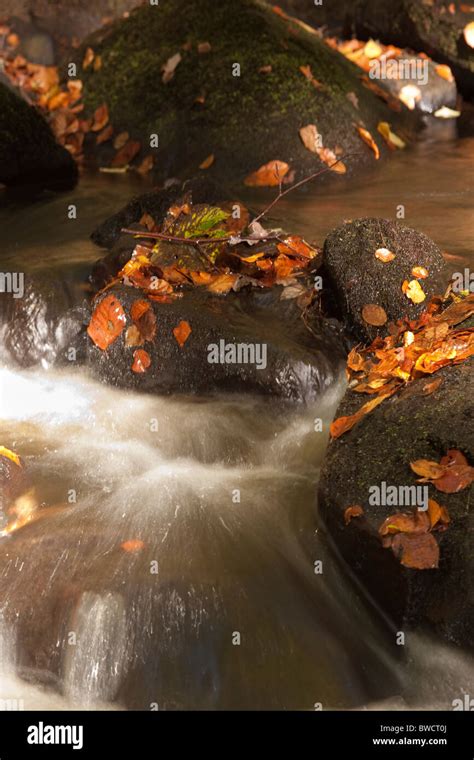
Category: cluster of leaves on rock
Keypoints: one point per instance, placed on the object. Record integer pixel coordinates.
(413, 349)
(212, 247)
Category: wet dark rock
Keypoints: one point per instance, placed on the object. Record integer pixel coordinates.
(40, 327)
(404, 428)
(155, 203)
(29, 153)
(245, 121)
(434, 90)
(357, 278)
(298, 364)
(424, 27)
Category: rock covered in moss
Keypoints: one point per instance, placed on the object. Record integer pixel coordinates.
(379, 450)
(29, 153)
(360, 279)
(242, 99)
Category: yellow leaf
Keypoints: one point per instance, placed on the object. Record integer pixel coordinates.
(4, 452)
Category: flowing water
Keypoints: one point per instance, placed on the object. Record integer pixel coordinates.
(174, 562)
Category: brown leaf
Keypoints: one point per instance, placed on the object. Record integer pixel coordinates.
(107, 322)
(293, 245)
(401, 522)
(121, 139)
(427, 468)
(416, 551)
(268, 175)
(204, 47)
(133, 337)
(127, 153)
(147, 221)
(169, 67)
(437, 514)
(144, 319)
(97, 65)
(101, 118)
(182, 333)
(420, 273)
(105, 135)
(355, 511)
(222, 283)
(141, 361)
(374, 315)
(88, 58)
(146, 165)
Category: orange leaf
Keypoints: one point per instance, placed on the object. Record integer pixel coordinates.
(141, 361)
(207, 162)
(427, 469)
(369, 140)
(146, 165)
(268, 175)
(354, 511)
(222, 283)
(444, 72)
(413, 291)
(294, 245)
(343, 424)
(105, 135)
(132, 545)
(384, 255)
(107, 322)
(182, 333)
(420, 272)
(121, 139)
(437, 514)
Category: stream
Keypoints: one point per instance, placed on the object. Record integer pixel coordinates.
(221, 608)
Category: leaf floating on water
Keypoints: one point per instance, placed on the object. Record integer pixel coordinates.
(384, 255)
(107, 322)
(132, 545)
(369, 140)
(355, 511)
(413, 291)
(182, 332)
(4, 452)
(374, 315)
(169, 67)
(268, 175)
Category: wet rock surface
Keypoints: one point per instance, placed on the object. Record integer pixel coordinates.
(29, 153)
(379, 449)
(357, 278)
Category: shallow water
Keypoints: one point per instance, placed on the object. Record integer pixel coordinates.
(220, 605)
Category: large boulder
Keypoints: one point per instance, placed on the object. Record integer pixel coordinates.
(242, 99)
(410, 426)
(277, 353)
(29, 153)
(357, 278)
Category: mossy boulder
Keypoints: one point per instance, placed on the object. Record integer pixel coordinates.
(424, 27)
(221, 102)
(29, 154)
(357, 278)
(379, 449)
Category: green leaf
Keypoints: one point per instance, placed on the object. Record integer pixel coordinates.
(201, 223)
